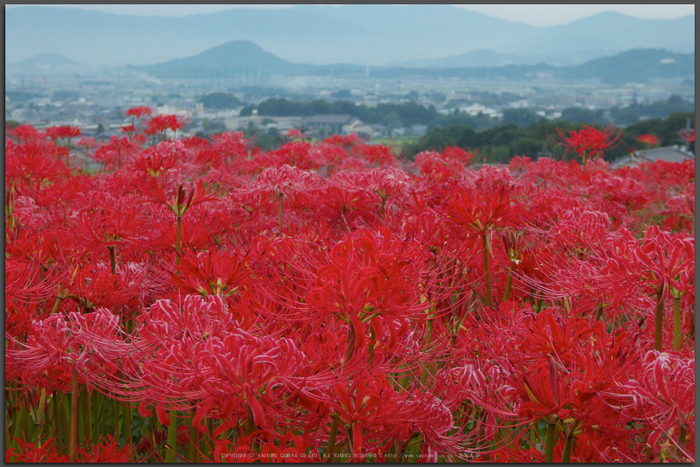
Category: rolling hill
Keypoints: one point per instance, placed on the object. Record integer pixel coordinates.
(320, 35)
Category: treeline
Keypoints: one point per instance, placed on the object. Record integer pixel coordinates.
(408, 114)
(500, 144)
(390, 115)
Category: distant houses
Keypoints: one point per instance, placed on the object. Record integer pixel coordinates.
(330, 124)
(669, 154)
(315, 126)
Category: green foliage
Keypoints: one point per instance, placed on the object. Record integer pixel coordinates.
(500, 144)
(520, 117)
(660, 109)
(576, 115)
(220, 100)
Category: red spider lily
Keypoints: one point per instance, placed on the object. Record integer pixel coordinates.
(33, 163)
(346, 141)
(231, 145)
(649, 140)
(60, 132)
(182, 201)
(588, 142)
(138, 112)
(31, 453)
(25, 133)
(117, 152)
(360, 334)
(215, 273)
(163, 123)
(482, 212)
(156, 161)
(378, 156)
(107, 451)
(664, 396)
(294, 133)
(436, 167)
(687, 135)
(111, 227)
(286, 180)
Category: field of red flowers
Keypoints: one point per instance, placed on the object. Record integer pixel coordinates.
(198, 301)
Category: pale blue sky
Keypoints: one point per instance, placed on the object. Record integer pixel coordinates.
(536, 15)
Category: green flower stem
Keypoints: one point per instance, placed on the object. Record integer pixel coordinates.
(280, 219)
(676, 323)
(86, 414)
(172, 439)
(112, 259)
(658, 335)
(331, 439)
(53, 426)
(194, 440)
(508, 284)
(566, 457)
(126, 414)
(485, 239)
(20, 421)
(74, 407)
(178, 239)
(549, 442)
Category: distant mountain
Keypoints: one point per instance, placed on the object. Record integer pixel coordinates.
(476, 58)
(239, 59)
(243, 59)
(635, 66)
(243, 56)
(359, 34)
(610, 32)
(46, 58)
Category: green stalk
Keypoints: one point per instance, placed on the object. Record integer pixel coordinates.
(209, 446)
(86, 414)
(20, 421)
(172, 439)
(194, 440)
(73, 446)
(549, 442)
(178, 239)
(692, 324)
(250, 428)
(126, 413)
(676, 323)
(98, 412)
(331, 439)
(508, 284)
(486, 268)
(658, 335)
(370, 350)
(280, 220)
(112, 259)
(57, 305)
(116, 418)
(599, 313)
(566, 457)
(53, 425)
(682, 433)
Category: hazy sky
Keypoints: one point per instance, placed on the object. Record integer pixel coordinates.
(536, 15)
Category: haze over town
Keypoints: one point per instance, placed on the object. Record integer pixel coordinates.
(489, 64)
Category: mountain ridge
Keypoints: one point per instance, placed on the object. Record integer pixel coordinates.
(245, 58)
(313, 34)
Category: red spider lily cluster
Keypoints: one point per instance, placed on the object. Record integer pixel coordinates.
(202, 301)
(588, 142)
(649, 140)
